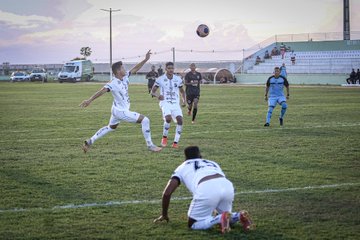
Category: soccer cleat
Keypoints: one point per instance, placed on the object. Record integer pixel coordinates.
(246, 221)
(175, 145)
(86, 146)
(193, 122)
(281, 121)
(164, 142)
(267, 125)
(225, 222)
(154, 148)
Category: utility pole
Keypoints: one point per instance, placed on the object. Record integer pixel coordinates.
(110, 11)
(346, 20)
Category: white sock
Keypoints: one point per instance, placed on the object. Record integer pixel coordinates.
(166, 129)
(235, 217)
(145, 127)
(178, 133)
(206, 223)
(100, 133)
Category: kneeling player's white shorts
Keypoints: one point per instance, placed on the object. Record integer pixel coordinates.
(172, 109)
(118, 116)
(272, 101)
(217, 193)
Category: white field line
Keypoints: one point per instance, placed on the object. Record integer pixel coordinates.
(158, 201)
(127, 135)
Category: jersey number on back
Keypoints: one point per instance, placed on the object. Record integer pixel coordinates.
(202, 164)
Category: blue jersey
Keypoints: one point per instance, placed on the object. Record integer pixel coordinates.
(276, 86)
(283, 71)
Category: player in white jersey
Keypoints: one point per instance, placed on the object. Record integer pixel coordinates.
(120, 111)
(211, 191)
(170, 86)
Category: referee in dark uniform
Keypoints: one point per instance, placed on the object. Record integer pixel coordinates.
(151, 77)
(192, 82)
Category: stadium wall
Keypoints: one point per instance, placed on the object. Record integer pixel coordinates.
(322, 79)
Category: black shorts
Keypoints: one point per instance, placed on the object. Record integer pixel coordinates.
(190, 98)
(151, 83)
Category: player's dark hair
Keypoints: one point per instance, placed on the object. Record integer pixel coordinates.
(116, 66)
(192, 152)
(276, 68)
(169, 64)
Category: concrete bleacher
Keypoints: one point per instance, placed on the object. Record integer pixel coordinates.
(325, 57)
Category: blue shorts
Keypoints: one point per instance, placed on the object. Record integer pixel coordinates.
(272, 101)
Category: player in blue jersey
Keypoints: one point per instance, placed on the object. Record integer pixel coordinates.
(283, 71)
(274, 94)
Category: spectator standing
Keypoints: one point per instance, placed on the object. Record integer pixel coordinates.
(282, 50)
(293, 57)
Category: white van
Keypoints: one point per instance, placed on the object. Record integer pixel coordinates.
(76, 71)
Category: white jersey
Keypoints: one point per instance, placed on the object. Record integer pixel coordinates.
(169, 88)
(119, 89)
(193, 170)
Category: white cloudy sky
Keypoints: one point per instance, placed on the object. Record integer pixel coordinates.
(53, 31)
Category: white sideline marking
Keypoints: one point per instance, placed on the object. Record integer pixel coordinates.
(260, 129)
(117, 203)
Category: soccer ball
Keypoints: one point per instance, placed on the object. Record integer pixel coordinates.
(202, 30)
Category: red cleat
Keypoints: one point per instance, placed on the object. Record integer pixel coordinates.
(246, 221)
(225, 222)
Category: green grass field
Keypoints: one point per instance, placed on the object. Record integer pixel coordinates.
(300, 181)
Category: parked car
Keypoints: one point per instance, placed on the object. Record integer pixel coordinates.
(38, 74)
(19, 76)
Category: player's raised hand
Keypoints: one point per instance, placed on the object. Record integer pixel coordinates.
(85, 103)
(162, 218)
(147, 56)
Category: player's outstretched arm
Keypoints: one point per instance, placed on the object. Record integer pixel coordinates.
(141, 64)
(87, 102)
(168, 191)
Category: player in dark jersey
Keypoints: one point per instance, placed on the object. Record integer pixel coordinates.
(192, 82)
(151, 77)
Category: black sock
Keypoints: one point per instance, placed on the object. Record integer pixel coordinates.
(194, 113)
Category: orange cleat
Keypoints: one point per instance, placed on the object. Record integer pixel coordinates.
(164, 142)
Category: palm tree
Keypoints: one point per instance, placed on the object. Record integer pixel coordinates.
(85, 51)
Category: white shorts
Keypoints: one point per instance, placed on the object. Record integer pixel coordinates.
(172, 109)
(272, 101)
(217, 193)
(118, 116)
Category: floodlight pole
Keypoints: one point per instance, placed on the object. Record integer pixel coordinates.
(110, 11)
(173, 50)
